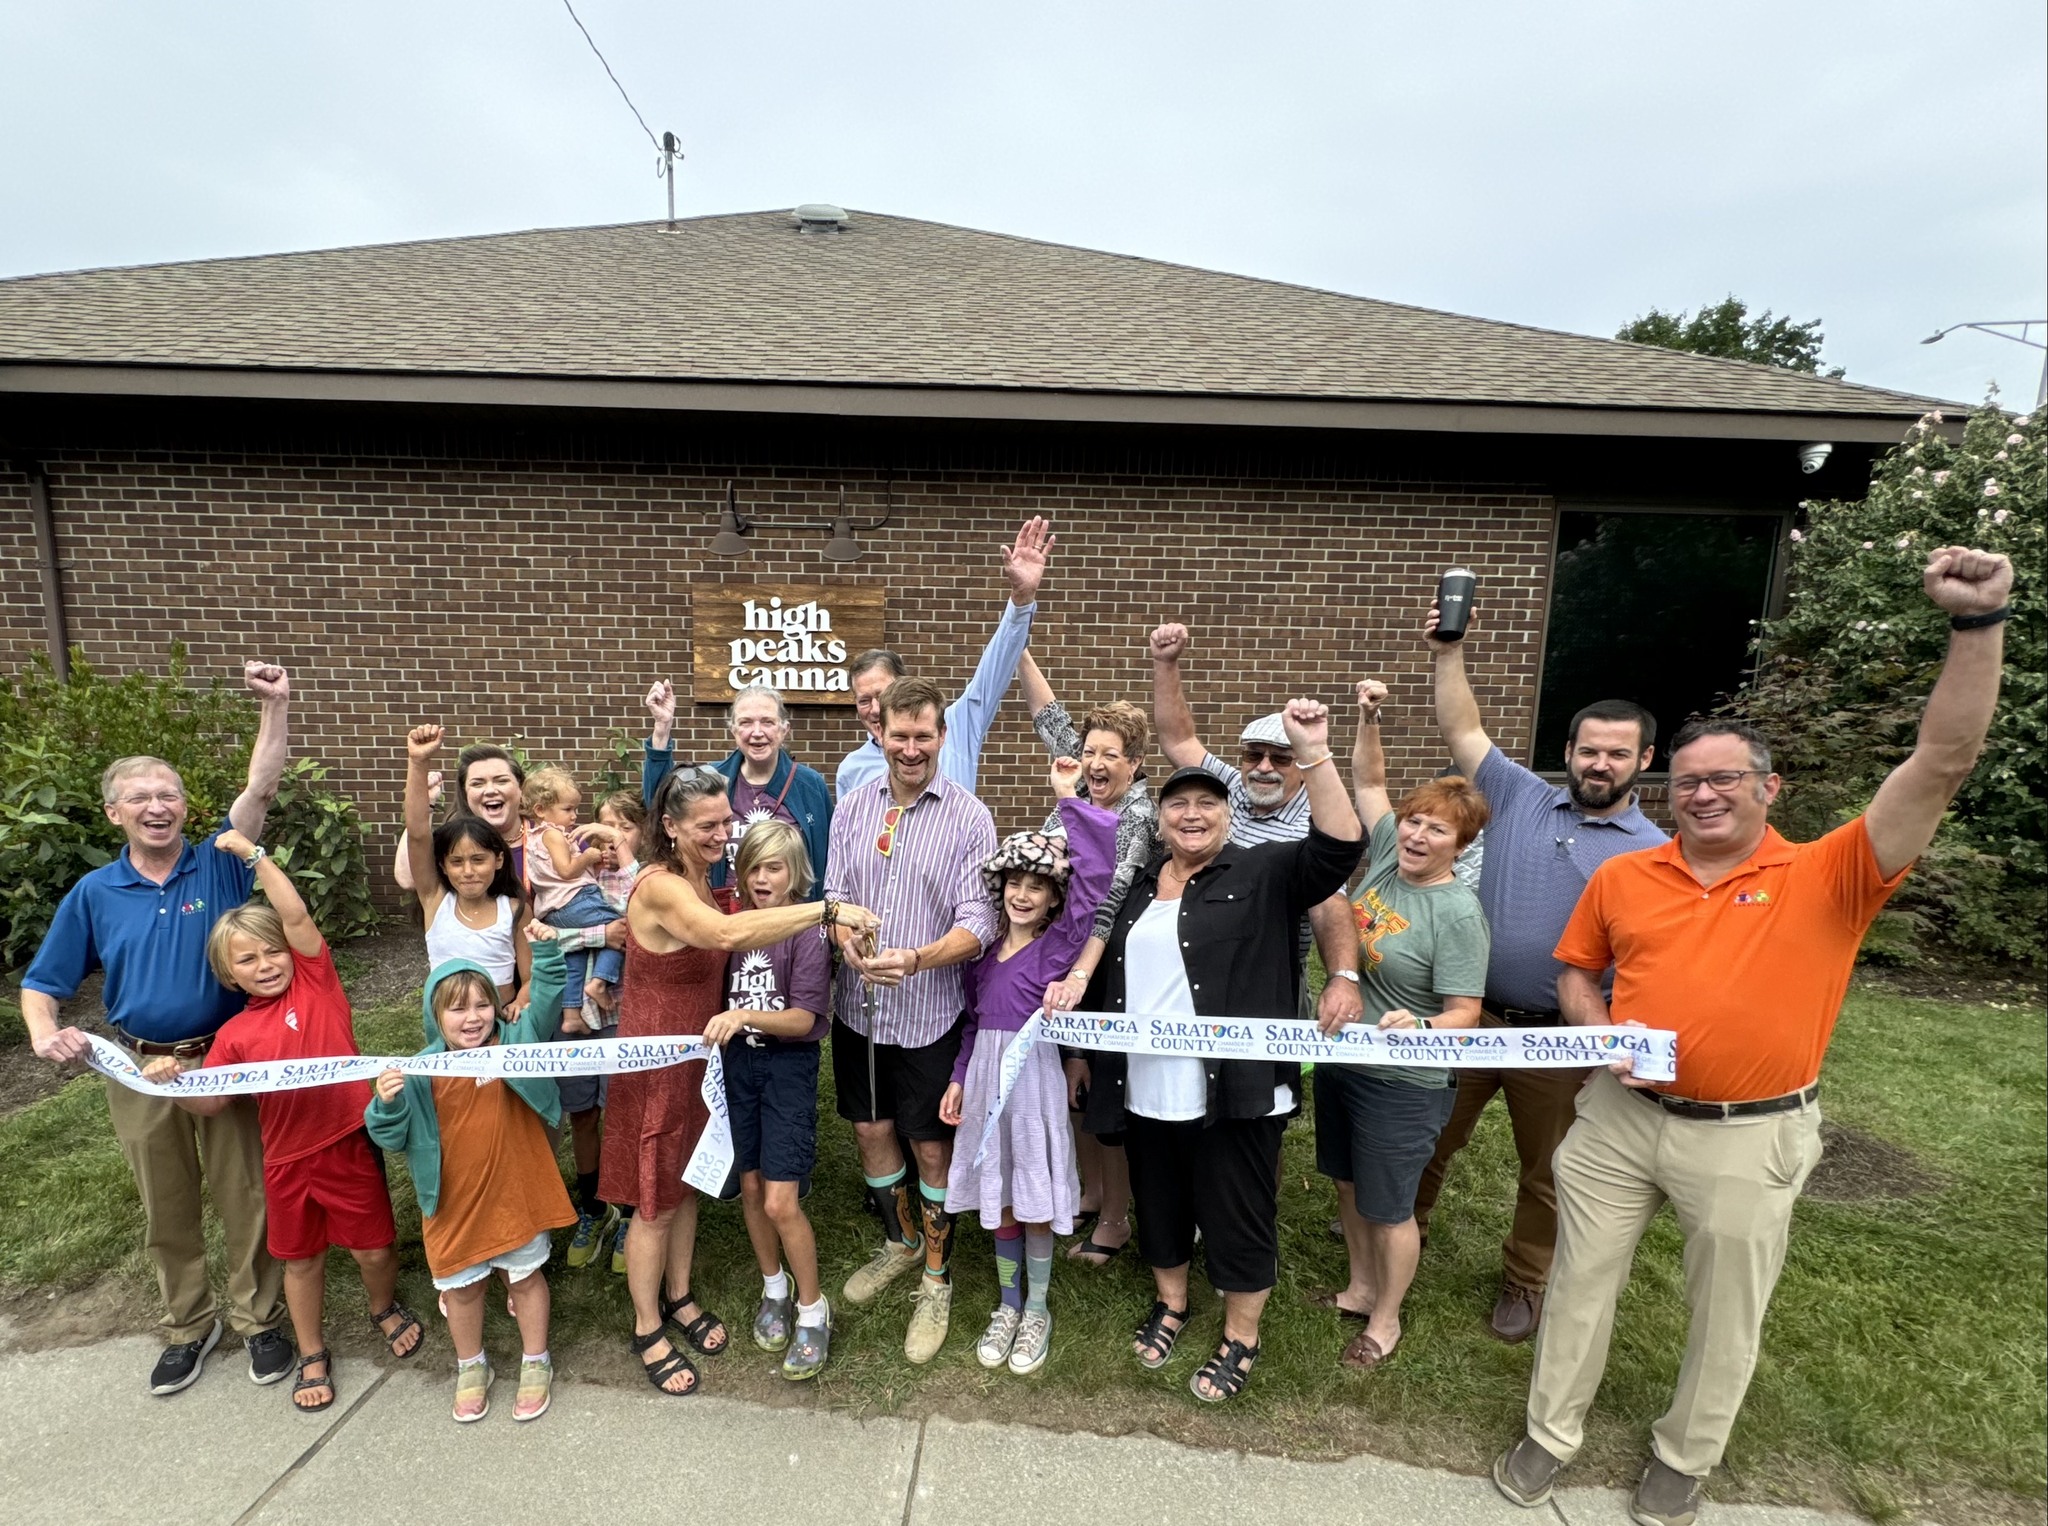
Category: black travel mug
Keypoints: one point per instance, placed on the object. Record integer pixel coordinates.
(1454, 603)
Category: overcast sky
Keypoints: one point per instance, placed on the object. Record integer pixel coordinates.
(1571, 164)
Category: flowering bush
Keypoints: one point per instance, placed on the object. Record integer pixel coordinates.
(1843, 676)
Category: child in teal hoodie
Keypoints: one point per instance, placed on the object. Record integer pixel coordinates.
(484, 1169)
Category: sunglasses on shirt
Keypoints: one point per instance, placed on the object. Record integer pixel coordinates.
(886, 843)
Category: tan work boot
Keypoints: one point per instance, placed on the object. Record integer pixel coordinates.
(889, 1263)
(929, 1320)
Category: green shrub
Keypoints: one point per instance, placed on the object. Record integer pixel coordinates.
(1843, 677)
(56, 737)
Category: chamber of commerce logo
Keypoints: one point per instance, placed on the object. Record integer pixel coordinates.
(1376, 920)
(753, 984)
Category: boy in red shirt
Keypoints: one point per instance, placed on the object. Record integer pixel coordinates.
(323, 1182)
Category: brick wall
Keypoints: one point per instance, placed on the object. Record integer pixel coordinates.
(535, 599)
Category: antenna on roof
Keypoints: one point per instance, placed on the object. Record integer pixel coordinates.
(668, 147)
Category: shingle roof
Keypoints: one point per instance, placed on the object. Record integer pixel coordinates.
(891, 302)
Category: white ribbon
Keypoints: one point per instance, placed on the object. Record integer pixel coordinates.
(1654, 1051)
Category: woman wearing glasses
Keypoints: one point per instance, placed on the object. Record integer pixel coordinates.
(676, 943)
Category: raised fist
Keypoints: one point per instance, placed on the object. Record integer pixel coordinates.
(661, 701)
(1307, 722)
(266, 680)
(423, 743)
(1966, 582)
(1168, 642)
(1371, 695)
(1066, 777)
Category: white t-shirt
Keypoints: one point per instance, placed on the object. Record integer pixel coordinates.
(1169, 1087)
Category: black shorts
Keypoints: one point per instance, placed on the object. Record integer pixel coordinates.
(1379, 1135)
(879, 1082)
(1222, 1178)
(771, 1102)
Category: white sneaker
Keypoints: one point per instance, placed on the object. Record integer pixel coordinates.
(889, 1263)
(929, 1321)
(1034, 1342)
(993, 1349)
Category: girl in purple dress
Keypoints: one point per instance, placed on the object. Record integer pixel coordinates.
(1025, 1187)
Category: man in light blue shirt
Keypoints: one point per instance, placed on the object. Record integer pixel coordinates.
(968, 717)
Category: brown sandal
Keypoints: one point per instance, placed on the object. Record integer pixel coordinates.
(1329, 1301)
(1364, 1353)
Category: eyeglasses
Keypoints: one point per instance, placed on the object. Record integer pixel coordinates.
(1278, 757)
(161, 797)
(1721, 781)
(886, 843)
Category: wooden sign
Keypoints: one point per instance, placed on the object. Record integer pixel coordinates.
(795, 637)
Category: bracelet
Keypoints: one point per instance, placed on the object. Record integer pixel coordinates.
(1996, 616)
(1350, 975)
(830, 916)
(257, 854)
(916, 960)
(1318, 763)
(1084, 976)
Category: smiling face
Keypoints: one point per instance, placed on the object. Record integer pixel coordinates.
(492, 790)
(1270, 775)
(911, 740)
(1195, 823)
(1602, 765)
(759, 730)
(470, 868)
(702, 832)
(868, 685)
(1427, 846)
(466, 1011)
(1106, 768)
(149, 808)
(1028, 899)
(259, 968)
(1708, 820)
(768, 883)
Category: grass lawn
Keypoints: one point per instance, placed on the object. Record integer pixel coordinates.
(1903, 1360)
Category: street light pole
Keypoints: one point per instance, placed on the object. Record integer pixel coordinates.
(1997, 327)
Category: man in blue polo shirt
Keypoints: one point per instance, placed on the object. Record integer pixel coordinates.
(144, 920)
(1542, 845)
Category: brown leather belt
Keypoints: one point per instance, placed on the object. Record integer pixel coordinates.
(184, 1049)
(1685, 1107)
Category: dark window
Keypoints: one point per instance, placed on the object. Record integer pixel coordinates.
(1654, 608)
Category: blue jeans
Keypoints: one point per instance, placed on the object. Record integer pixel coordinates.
(587, 908)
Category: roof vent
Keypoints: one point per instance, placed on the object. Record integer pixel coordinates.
(820, 217)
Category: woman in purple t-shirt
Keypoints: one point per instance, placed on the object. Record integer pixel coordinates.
(777, 1009)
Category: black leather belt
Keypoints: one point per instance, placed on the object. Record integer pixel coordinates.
(1525, 1017)
(1685, 1107)
(184, 1049)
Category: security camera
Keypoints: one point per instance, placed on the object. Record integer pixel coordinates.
(1813, 457)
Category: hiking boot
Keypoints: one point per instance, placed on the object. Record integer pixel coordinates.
(536, 1383)
(587, 1240)
(180, 1365)
(1525, 1472)
(993, 1349)
(889, 1263)
(270, 1356)
(929, 1321)
(1034, 1342)
(1665, 1497)
(472, 1391)
(808, 1350)
(1516, 1315)
(772, 1322)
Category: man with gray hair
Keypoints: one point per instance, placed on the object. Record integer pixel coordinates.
(1267, 804)
(144, 920)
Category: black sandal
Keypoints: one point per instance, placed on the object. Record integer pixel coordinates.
(407, 1320)
(659, 1373)
(304, 1384)
(1224, 1373)
(1153, 1333)
(697, 1332)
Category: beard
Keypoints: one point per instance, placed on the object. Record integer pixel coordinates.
(1265, 792)
(1597, 794)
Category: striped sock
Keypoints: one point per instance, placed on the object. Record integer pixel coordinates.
(1009, 1242)
(1038, 1263)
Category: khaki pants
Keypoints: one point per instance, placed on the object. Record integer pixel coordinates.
(1539, 1106)
(167, 1148)
(1732, 1186)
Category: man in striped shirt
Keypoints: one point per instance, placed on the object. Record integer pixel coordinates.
(910, 846)
(1267, 804)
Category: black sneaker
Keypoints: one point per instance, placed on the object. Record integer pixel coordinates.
(179, 1367)
(270, 1356)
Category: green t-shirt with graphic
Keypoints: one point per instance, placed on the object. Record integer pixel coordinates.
(1416, 945)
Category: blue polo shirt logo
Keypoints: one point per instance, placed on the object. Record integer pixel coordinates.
(191, 906)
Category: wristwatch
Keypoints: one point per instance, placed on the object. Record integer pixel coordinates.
(257, 854)
(1350, 975)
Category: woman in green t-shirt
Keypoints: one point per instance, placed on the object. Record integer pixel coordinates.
(1423, 946)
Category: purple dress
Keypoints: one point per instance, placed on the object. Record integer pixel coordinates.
(1029, 1167)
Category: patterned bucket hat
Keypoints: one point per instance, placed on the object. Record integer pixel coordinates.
(1035, 852)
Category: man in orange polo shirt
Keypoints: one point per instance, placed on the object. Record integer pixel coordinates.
(1742, 943)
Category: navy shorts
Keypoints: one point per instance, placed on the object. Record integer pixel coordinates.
(1379, 1135)
(771, 1099)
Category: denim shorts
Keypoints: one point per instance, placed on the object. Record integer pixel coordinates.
(519, 1263)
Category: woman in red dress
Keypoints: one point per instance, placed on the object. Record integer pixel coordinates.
(676, 943)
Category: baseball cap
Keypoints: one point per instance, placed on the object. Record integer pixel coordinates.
(1268, 729)
(1196, 775)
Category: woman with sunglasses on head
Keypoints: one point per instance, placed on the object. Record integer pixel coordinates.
(676, 942)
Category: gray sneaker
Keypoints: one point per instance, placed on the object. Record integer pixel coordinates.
(1034, 1342)
(1524, 1473)
(772, 1322)
(1665, 1497)
(809, 1346)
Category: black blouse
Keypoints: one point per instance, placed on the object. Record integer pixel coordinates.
(1237, 924)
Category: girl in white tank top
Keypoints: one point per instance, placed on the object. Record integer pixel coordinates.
(469, 893)
(449, 937)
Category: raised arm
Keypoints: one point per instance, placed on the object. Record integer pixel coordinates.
(272, 687)
(1910, 803)
(1037, 692)
(970, 716)
(1170, 712)
(422, 744)
(1368, 757)
(661, 705)
(278, 889)
(1307, 722)
(1457, 708)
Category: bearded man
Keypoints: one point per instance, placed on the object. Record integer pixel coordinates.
(1542, 845)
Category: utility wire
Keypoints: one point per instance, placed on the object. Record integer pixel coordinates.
(614, 78)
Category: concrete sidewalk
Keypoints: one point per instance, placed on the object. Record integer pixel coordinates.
(84, 1442)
